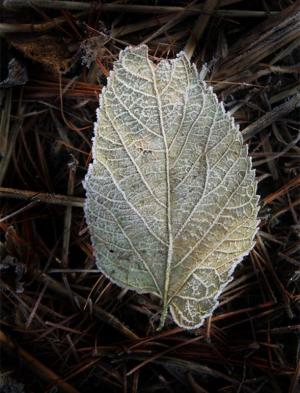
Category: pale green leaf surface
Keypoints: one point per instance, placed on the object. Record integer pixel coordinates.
(171, 198)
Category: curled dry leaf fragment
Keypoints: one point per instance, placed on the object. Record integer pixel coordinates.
(171, 197)
(48, 50)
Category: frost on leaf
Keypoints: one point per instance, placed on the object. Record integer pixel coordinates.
(171, 198)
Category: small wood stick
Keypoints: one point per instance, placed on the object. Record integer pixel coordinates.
(53, 199)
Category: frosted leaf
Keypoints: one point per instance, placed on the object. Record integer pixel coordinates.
(171, 198)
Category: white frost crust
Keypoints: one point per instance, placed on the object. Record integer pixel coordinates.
(235, 126)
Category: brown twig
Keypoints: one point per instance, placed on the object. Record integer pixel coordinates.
(6, 28)
(35, 365)
(270, 117)
(53, 199)
(294, 182)
(209, 8)
(128, 8)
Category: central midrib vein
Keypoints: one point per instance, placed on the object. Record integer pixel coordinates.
(168, 207)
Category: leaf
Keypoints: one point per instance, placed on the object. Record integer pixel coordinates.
(171, 198)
